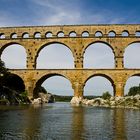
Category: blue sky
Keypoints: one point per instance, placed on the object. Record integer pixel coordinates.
(60, 12)
(44, 12)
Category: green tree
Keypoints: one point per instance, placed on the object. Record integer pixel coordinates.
(106, 95)
(3, 70)
(134, 90)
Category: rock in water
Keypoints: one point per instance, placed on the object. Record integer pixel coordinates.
(44, 98)
(36, 101)
(76, 100)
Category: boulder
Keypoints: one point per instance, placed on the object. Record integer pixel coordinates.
(37, 101)
(76, 100)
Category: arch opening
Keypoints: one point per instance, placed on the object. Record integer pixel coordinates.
(125, 34)
(96, 85)
(37, 35)
(13, 35)
(98, 34)
(131, 61)
(60, 34)
(72, 34)
(137, 34)
(25, 35)
(2, 36)
(85, 34)
(55, 84)
(14, 56)
(111, 34)
(54, 56)
(14, 82)
(48, 35)
(99, 55)
(132, 82)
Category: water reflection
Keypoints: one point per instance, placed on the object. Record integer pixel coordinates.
(119, 124)
(32, 124)
(78, 123)
(60, 121)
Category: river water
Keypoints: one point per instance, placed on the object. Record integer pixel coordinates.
(60, 121)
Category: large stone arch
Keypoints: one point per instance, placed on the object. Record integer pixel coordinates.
(127, 55)
(102, 43)
(14, 55)
(51, 43)
(109, 78)
(44, 77)
(16, 81)
(3, 47)
(131, 75)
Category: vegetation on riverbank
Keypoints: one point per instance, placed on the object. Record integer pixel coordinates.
(12, 90)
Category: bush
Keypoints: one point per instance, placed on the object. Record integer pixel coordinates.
(134, 91)
(106, 95)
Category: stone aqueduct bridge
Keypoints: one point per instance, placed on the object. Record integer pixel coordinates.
(35, 38)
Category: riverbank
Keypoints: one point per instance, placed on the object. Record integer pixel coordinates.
(113, 102)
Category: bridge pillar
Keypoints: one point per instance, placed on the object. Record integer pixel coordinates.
(119, 89)
(29, 87)
(78, 62)
(78, 89)
(30, 61)
(119, 62)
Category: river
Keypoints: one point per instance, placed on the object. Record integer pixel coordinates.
(61, 121)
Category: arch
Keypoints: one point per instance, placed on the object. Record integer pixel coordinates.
(112, 34)
(85, 34)
(37, 35)
(13, 35)
(25, 35)
(43, 78)
(125, 33)
(137, 33)
(131, 81)
(102, 76)
(98, 34)
(100, 52)
(129, 60)
(2, 36)
(14, 50)
(51, 47)
(15, 82)
(72, 34)
(60, 34)
(103, 42)
(48, 35)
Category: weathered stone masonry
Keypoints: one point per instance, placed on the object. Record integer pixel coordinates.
(34, 38)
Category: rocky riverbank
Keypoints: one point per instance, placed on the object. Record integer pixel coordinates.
(43, 98)
(12, 97)
(112, 102)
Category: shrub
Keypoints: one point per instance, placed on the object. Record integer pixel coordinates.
(106, 95)
(134, 91)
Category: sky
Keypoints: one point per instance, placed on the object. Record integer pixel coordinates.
(65, 12)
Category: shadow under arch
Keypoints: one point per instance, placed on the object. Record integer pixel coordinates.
(52, 43)
(99, 47)
(129, 50)
(45, 77)
(104, 76)
(14, 82)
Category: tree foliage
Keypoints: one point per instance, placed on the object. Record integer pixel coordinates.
(134, 90)
(3, 70)
(106, 95)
